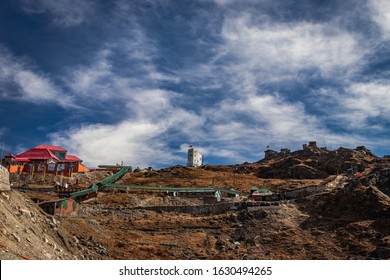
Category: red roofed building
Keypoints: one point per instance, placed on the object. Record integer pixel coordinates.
(45, 159)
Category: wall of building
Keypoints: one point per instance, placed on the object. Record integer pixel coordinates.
(194, 158)
(65, 169)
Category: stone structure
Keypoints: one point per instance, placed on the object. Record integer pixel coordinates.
(4, 179)
(313, 144)
(285, 151)
(270, 154)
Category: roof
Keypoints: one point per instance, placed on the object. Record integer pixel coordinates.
(71, 158)
(22, 159)
(37, 153)
(45, 152)
(53, 148)
(262, 192)
(9, 155)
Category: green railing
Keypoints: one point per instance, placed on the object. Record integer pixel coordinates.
(93, 189)
(109, 182)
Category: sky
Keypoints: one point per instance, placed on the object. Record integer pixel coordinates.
(138, 81)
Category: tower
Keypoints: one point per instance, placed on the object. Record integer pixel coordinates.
(194, 157)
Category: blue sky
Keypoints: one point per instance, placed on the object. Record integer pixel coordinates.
(140, 81)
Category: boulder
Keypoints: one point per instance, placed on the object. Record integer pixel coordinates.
(4, 179)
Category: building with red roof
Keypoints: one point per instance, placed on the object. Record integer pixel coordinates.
(45, 159)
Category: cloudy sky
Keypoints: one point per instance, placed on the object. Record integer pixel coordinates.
(139, 81)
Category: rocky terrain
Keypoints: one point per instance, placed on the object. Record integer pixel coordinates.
(337, 207)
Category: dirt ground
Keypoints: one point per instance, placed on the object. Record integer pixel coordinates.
(347, 219)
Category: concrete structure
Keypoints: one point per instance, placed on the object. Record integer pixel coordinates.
(285, 151)
(270, 154)
(194, 157)
(44, 159)
(313, 144)
(4, 179)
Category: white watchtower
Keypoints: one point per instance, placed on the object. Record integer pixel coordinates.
(194, 157)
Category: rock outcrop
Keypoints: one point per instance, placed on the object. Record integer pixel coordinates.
(315, 163)
(4, 179)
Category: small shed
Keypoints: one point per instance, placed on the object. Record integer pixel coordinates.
(262, 195)
(61, 207)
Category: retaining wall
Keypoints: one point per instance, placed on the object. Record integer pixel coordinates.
(195, 210)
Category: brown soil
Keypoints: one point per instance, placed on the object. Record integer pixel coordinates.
(347, 220)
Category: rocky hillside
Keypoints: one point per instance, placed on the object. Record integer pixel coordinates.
(331, 216)
(314, 163)
(26, 232)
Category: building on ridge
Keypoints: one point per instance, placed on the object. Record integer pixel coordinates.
(195, 158)
(45, 159)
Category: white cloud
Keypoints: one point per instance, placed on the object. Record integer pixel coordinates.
(240, 120)
(141, 138)
(19, 80)
(120, 69)
(65, 13)
(245, 126)
(285, 48)
(34, 87)
(93, 80)
(264, 117)
(360, 103)
(235, 2)
(380, 10)
(158, 105)
(134, 143)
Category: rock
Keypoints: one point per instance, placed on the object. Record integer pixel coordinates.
(16, 237)
(4, 179)
(5, 196)
(25, 212)
(64, 239)
(32, 229)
